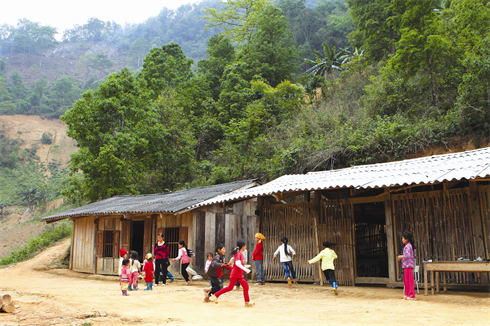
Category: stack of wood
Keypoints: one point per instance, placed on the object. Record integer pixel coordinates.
(6, 304)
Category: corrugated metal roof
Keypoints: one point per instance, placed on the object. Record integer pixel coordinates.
(426, 170)
(156, 203)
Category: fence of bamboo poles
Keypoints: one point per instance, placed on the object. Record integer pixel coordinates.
(440, 223)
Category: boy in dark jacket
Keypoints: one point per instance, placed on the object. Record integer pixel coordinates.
(217, 262)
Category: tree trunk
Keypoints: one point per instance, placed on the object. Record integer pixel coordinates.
(488, 90)
(435, 97)
(392, 44)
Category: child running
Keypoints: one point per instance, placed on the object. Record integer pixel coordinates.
(327, 255)
(237, 274)
(184, 260)
(134, 269)
(217, 263)
(286, 252)
(149, 268)
(125, 276)
(408, 263)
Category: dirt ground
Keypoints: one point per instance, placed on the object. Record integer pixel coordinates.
(45, 296)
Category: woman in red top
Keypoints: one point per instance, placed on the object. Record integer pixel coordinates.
(236, 274)
(161, 253)
(259, 258)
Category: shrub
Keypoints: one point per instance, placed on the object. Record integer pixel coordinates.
(47, 138)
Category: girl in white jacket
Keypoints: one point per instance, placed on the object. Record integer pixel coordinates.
(286, 254)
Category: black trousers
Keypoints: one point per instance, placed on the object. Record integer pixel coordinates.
(330, 275)
(216, 285)
(184, 272)
(161, 265)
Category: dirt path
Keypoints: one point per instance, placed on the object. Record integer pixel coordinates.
(48, 298)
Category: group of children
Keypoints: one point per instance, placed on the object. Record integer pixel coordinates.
(130, 269)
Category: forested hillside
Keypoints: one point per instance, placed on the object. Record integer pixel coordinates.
(284, 87)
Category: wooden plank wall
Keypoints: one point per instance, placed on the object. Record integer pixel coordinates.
(83, 250)
(441, 224)
(295, 222)
(175, 221)
(336, 226)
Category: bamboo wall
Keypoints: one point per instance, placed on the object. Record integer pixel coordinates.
(336, 226)
(83, 245)
(295, 222)
(442, 226)
(484, 197)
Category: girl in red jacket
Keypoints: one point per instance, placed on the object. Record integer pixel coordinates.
(258, 257)
(148, 268)
(236, 274)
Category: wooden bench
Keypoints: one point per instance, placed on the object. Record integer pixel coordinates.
(439, 267)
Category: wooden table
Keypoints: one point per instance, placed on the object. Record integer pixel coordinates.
(451, 266)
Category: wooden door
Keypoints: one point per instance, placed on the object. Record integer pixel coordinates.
(295, 222)
(335, 225)
(125, 234)
(147, 238)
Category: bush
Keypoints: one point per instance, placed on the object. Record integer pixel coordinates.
(47, 138)
(35, 245)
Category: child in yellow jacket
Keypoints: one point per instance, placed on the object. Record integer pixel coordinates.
(327, 255)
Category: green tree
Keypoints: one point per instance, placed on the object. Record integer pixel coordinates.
(326, 63)
(166, 67)
(239, 18)
(139, 49)
(270, 51)
(375, 32)
(124, 147)
(6, 103)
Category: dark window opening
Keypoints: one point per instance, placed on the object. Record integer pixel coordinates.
(108, 243)
(172, 239)
(371, 242)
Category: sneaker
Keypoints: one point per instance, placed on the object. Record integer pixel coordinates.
(257, 284)
(289, 281)
(155, 285)
(164, 284)
(249, 304)
(171, 280)
(206, 299)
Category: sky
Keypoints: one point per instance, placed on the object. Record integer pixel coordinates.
(63, 14)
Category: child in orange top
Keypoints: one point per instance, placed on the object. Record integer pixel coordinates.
(125, 276)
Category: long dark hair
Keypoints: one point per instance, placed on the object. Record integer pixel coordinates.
(285, 241)
(182, 243)
(239, 245)
(407, 235)
(134, 256)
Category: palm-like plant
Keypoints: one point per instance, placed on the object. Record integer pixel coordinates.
(29, 197)
(327, 62)
(43, 195)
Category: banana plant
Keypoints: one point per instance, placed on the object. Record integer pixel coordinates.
(327, 62)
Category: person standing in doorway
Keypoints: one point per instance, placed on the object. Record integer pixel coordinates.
(286, 253)
(161, 253)
(408, 264)
(184, 260)
(258, 258)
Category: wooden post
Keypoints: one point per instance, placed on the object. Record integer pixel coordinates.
(478, 226)
(315, 221)
(71, 245)
(445, 281)
(438, 289)
(96, 229)
(432, 287)
(425, 281)
(390, 237)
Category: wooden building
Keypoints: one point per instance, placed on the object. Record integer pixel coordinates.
(442, 200)
(133, 222)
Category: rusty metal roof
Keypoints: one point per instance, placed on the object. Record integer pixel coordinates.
(171, 202)
(426, 170)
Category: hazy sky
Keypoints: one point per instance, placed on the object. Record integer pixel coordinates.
(63, 14)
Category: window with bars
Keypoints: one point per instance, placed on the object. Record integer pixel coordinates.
(108, 243)
(172, 239)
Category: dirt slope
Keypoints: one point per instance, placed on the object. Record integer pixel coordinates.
(28, 129)
(50, 297)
